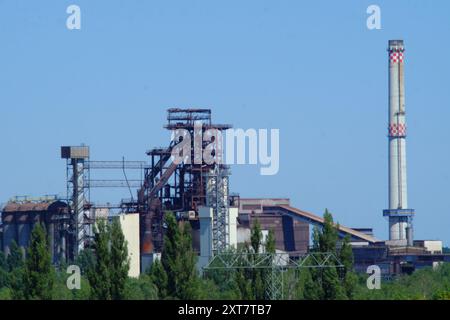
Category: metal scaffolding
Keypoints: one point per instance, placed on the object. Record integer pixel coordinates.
(217, 194)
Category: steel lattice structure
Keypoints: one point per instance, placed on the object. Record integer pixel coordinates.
(79, 184)
(276, 263)
(217, 198)
(183, 187)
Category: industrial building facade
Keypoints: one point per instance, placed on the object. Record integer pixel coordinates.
(20, 215)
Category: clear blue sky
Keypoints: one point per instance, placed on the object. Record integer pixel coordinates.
(310, 68)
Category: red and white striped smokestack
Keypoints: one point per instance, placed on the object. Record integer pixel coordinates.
(400, 217)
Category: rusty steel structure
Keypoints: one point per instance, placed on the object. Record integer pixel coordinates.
(173, 186)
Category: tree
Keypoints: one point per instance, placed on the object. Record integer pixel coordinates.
(325, 284)
(15, 267)
(313, 277)
(331, 286)
(258, 287)
(170, 254)
(316, 239)
(5, 294)
(270, 242)
(39, 274)
(244, 285)
(179, 260)
(265, 274)
(15, 257)
(329, 235)
(189, 280)
(158, 276)
(256, 236)
(141, 288)
(99, 276)
(346, 257)
(86, 260)
(227, 281)
(120, 262)
(311, 289)
(3, 270)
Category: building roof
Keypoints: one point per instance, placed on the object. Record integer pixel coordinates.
(13, 207)
(314, 218)
(282, 206)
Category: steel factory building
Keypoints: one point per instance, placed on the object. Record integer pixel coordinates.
(199, 192)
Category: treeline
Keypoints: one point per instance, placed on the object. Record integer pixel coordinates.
(424, 284)
(104, 272)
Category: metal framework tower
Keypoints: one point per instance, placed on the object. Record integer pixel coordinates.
(217, 194)
(400, 216)
(180, 187)
(76, 157)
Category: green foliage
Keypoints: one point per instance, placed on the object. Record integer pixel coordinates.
(244, 284)
(5, 294)
(442, 295)
(315, 239)
(120, 263)
(99, 276)
(331, 285)
(270, 242)
(350, 282)
(85, 290)
(39, 277)
(3, 263)
(309, 289)
(327, 283)
(3, 270)
(346, 255)
(86, 260)
(15, 265)
(15, 257)
(258, 287)
(208, 289)
(61, 291)
(158, 276)
(141, 288)
(329, 235)
(107, 273)
(179, 261)
(423, 284)
(227, 283)
(349, 278)
(256, 236)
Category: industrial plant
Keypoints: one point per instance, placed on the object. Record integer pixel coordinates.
(199, 193)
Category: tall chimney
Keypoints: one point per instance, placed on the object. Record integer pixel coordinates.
(400, 217)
